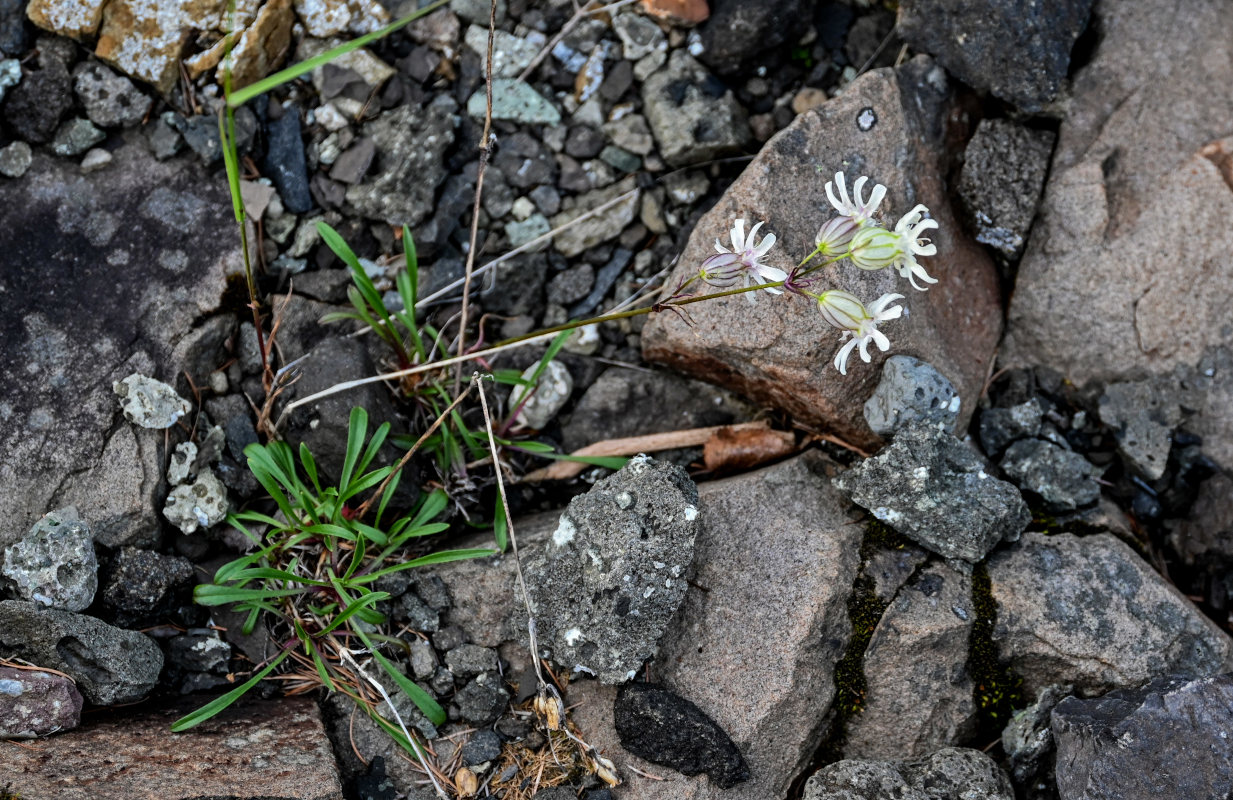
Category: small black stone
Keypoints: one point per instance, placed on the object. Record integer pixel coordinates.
(662, 727)
(483, 746)
(284, 161)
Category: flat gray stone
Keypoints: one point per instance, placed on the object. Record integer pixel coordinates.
(1062, 478)
(516, 101)
(1143, 415)
(692, 122)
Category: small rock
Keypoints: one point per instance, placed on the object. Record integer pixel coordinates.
(597, 228)
(660, 726)
(353, 164)
(1028, 742)
(201, 504)
(1143, 415)
(935, 490)
(34, 704)
(551, 393)
(631, 133)
(685, 12)
(284, 160)
(1003, 176)
(694, 117)
(468, 660)
(510, 54)
(141, 587)
(110, 665)
(433, 591)
(423, 660)
(34, 107)
(412, 611)
(95, 160)
(737, 32)
(482, 747)
(165, 139)
(807, 99)
(325, 18)
(12, 27)
(1062, 478)
(515, 101)
(570, 285)
(1089, 612)
(622, 160)
(199, 651)
(110, 100)
(148, 402)
(10, 73)
(601, 598)
(952, 773)
(54, 564)
(911, 390)
(584, 141)
(482, 700)
(639, 36)
(1001, 426)
(1168, 739)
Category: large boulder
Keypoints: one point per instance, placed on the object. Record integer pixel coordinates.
(104, 275)
(890, 125)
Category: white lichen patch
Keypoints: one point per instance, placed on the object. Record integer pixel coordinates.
(573, 636)
(149, 403)
(564, 533)
(691, 513)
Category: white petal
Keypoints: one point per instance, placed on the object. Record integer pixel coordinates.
(719, 248)
(841, 358)
(875, 199)
(925, 250)
(880, 339)
(767, 243)
(830, 195)
(771, 273)
(856, 190)
(738, 236)
(894, 312)
(875, 308)
(864, 340)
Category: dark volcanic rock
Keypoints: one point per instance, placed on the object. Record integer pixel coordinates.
(34, 107)
(1062, 478)
(1167, 740)
(12, 27)
(142, 587)
(284, 160)
(911, 390)
(1019, 52)
(661, 726)
(950, 774)
(132, 255)
(1004, 171)
(738, 30)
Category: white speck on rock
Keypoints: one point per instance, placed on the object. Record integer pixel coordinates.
(564, 533)
(11, 688)
(650, 590)
(573, 636)
(691, 513)
(583, 668)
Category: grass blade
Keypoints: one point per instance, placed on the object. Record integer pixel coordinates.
(220, 703)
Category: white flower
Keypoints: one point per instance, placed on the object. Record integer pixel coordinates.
(835, 235)
(875, 248)
(845, 311)
(744, 261)
(909, 228)
(859, 209)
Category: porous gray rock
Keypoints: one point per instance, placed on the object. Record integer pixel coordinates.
(482, 700)
(911, 390)
(889, 125)
(1143, 415)
(1027, 741)
(411, 142)
(1001, 426)
(34, 703)
(952, 773)
(110, 665)
(693, 116)
(1168, 740)
(142, 587)
(468, 660)
(918, 692)
(34, 107)
(639, 35)
(1089, 612)
(110, 100)
(54, 564)
(936, 490)
(1062, 478)
(200, 504)
(1003, 175)
(604, 588)
(1020, 54)
(148, 402)
(75, 137)
(15, 159)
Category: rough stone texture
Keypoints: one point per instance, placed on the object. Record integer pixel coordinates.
(264, 44)
(1028, 743)
(1137, 170)
(15, 159)
(34, 704)
(1004, 171)
(75, 137)
(200, 504)
(148, 402)
(110, 100)
(74, 18)
(693, 116)
(935, 490)
(1001, 426)
(737, 31)
(782, 360)
(515, 101)
(1018, 52)
(137, 252)
(597, 228)
(1206, 536)
(1062, 478)
(411, 143)
(612, 576)
(1091, 613)
(12, 28)
(34, 107)
(54, 564)
(257, 749)
(911, 390)
(1168, 739)
(919, 694)
(754, 646)
(325, 18)
(950, 774)
(1143, 415)
(660, 726)
(110, 665)
(141, 587)
(144, 38)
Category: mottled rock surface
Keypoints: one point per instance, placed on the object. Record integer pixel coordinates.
(1089, 612)
(54, 564)
(1168, 739)
(911, 390)
(1143, 415)
(919, 694)
(1004, 169)
(937, 491)
(888, 125)
(949, 774)
(1062, 478)
(257, 749)
(142, 587)
(110, 665)
(34, 703)
(693, 116)
(137, 252)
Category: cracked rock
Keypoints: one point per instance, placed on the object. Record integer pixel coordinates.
(142, 587)
(54, 564)
(1004, 171)
(1062, 478)
(149, 403)
(605, 586)
(1001, 426)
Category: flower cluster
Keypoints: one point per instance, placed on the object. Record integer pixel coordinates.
(857, 235)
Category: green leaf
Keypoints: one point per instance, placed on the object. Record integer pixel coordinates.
(209, 594)
(500, 525)
(430, 507)
(310, 466)
(374, 444)
(357, 426)
(422, 699)
(443, 557)
(355, 607)
(220, 703)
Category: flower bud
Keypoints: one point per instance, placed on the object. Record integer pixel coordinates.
(605, 770)
(875, 248)
(551, 710)
(721, 270)
(834, 236)
(465, 783)
(842, 310)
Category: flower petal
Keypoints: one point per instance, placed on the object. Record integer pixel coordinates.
(841, 358)
(738, 236)
(880, 339)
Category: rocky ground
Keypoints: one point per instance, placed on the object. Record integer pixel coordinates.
(993, 563)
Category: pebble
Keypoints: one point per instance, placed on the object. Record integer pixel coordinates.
(510, 54)
(95, 160)
(201, 504)
(148, 402)
(10, 74)
(15, 159)
(515, 101)
(552, 391)
(76, 137)
(519, 233)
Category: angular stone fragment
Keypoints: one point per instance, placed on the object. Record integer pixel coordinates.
(888, 125)
(144, 39)
(1001, 426)
(111, 665)
(1062, 478)
(54, 564)
(142, 587)
(516, 101)
(111, 100)
(1004, 171)
(325, 18)
(148, 402)
(919, 695)
(1143, 415)
(911, 390)
(1089, 612)
(200, 504)
(266, 749)
(693, 116)
(950, 774)
(597, 228)
(77, 19)
(538, 404)
(1168, 739)
(936, 490)
(607, 584)
(34, 704)
(264, 44)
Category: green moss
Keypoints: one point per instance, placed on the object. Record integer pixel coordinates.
(997, 689)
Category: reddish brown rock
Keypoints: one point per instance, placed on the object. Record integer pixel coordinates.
(260, 749)
(688, 12)
(890, 125)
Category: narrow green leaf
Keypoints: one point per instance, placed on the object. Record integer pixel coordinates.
(360, 604)
(422, 699)
(208, 594)
(220, 703)
(443, 557)
(500, 525)
(357, 426)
